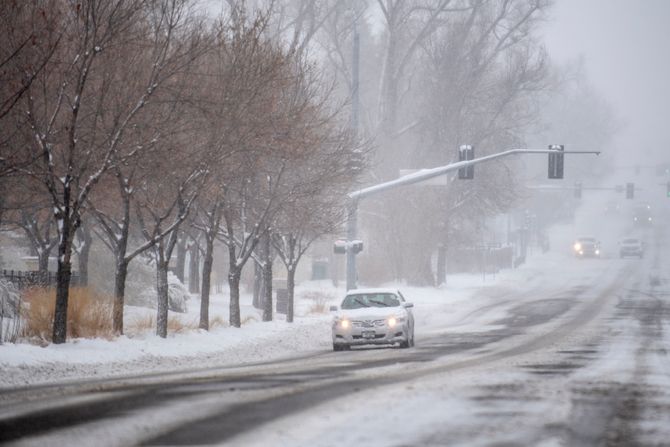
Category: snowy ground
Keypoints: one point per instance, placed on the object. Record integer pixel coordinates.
(602, 381)
(256, 341)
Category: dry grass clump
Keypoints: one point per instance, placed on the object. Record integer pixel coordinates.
(140, 325)
(89, 314)
(148, 324)
(320, 301)
(177, 326)
(217, 321)
(248, 319)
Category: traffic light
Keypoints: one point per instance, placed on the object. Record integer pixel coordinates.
(630, 190)
(465, 153)
(578, 190)
(556, 161)
(340, 246)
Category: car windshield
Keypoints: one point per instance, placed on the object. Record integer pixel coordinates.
(587, 240)
(360, 300)
(631, 241)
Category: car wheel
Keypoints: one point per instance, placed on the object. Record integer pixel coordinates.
(404, 344)
(411, 340)
(336, 347)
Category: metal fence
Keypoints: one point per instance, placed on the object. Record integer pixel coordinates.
(23, 280)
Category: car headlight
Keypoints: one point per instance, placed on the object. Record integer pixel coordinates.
(345, 324)
(597, 252)
(393, 321)
(577, 246)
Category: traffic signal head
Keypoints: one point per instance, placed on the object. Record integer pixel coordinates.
(556, 161)
(340, 246)
(630, 190)
(465, 153)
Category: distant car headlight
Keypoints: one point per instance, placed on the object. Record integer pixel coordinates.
(577, 246)
(650, 219)
(597, 252)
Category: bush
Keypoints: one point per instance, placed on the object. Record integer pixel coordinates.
(320, 301)
(178, 294)
(89, 314)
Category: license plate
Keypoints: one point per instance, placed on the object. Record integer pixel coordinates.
(368, 334)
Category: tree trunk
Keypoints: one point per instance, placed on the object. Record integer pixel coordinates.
(180, 268)
(83, 255)
(194, 269)
(441, 265)
(162, 298)
(43, 261)
(63, 275)
(206, 281)
(257, 300)
(234, 284)
(267, 279)
(119, 294)
(290, 288)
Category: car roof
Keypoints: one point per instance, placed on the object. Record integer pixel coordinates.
(373, 290)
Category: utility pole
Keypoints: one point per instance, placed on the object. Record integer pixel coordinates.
(352, 205)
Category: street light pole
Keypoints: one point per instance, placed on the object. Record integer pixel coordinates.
(352, 222)
(353, 203)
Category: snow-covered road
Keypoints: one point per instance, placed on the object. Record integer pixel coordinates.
(530, 358)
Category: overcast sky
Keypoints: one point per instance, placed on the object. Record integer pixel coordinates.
(626, 48)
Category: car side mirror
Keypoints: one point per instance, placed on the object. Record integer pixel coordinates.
(333, 308)
(407, 305)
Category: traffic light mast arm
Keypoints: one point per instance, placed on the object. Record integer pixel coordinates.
(426, 174)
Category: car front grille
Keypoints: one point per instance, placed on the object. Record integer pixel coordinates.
(368, 323)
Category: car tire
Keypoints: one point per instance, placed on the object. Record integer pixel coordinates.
(404, 344)
(411, 340)
(336, 347)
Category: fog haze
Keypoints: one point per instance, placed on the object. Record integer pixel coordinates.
(624, 47)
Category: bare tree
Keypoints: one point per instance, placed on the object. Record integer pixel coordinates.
(77, 146)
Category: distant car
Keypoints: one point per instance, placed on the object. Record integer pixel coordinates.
(631, 247)
(642, 215)
(373, 317)
(586, 247)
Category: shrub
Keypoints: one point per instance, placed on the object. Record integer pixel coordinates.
(319, 300)
(89, 314)
(178, 295)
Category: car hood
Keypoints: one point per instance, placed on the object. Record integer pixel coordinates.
(370, 313)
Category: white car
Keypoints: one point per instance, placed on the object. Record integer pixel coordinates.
(373, 317)
(631, 247)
